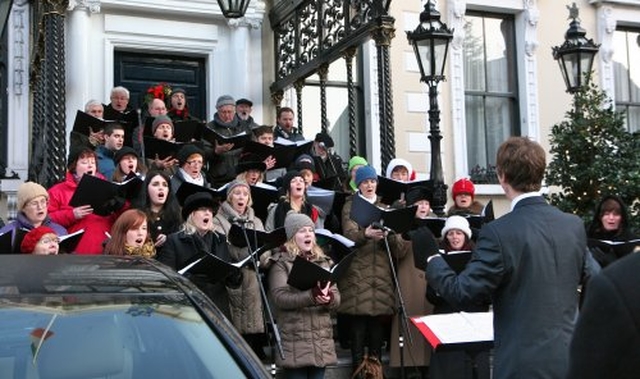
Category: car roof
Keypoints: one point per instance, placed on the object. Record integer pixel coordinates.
(75, 274)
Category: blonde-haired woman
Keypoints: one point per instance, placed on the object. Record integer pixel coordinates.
(303, 316)
(195, 238)
(246, 303)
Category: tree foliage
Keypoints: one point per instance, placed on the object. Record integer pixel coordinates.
(593, 156)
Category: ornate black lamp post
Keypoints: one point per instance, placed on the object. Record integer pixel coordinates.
(233, 8)
(430, 41)
(575, 56)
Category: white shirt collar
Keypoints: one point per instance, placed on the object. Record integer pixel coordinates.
(523, 196)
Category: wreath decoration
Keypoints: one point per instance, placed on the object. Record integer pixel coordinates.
(159, 91)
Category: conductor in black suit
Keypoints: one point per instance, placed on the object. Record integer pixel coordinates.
(606, 341)
(531, 262)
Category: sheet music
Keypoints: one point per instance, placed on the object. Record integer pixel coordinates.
(456, 328)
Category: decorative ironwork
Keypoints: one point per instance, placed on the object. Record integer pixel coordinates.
(323, 73)
(382, 36)
(49, 132)
(309, 33)
(351, 93)
(299, 86)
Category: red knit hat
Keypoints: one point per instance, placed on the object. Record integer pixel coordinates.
(463, 185)
(32, 238)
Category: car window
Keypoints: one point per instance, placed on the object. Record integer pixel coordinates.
(55, 338)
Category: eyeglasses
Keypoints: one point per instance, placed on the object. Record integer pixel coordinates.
(37, 203)
(194, 163)
(48, 240)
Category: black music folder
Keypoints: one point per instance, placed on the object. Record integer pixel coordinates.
(619, 248)
(364, 213)
(158, 147)
(212, 266)
(391, 190)
(457, 331)
(6, 243)
(187, 130)
(86, 123)
(334, 245)
(186, 189)
(262, 195)
(457, 260)
(213, 137)
(69, 242)
(100, 193)
(305, 275)
(258, 239)
(130, 118)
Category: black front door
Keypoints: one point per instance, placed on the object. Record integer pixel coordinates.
(139, 71)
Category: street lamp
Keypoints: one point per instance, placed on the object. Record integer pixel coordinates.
(233, 8)
(575, 56)
(430, 41)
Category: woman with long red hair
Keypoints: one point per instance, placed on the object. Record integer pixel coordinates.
(129, 236)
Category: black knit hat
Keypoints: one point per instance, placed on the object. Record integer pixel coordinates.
(198, 200)
(76, 152)
(126, 150)
(250, 161)
(325, 139)
(286, 180)
(416, 194)
(186, 151)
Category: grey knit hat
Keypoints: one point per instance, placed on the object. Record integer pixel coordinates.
(294, 221)
(225, 100)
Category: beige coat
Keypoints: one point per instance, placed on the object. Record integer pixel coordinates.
(413, 286)
(306, 329)
(245, 301)
(367, 286)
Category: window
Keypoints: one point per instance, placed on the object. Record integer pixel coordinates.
(490, 87)
(337, 104)
(626, 47)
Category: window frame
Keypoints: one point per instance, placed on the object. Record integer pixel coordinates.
(525, 18)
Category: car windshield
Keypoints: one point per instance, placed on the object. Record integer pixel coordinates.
(79, 337)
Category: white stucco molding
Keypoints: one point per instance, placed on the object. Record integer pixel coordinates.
(456, 21)
(181, 9)
(611, 14)
(527, 75)
(93, 6)
(18, 27)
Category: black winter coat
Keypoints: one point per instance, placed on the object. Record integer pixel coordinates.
(182, 249)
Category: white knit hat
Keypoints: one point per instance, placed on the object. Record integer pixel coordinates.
(456, 222)
(398, 162)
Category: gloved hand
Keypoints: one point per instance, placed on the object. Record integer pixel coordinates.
(234, 280)
(424, 245)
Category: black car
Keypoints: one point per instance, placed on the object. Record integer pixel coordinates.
(71, 316)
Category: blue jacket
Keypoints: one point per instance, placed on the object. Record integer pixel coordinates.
(21, 222)
(106, 165)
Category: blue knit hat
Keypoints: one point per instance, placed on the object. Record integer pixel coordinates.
(364, 173)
